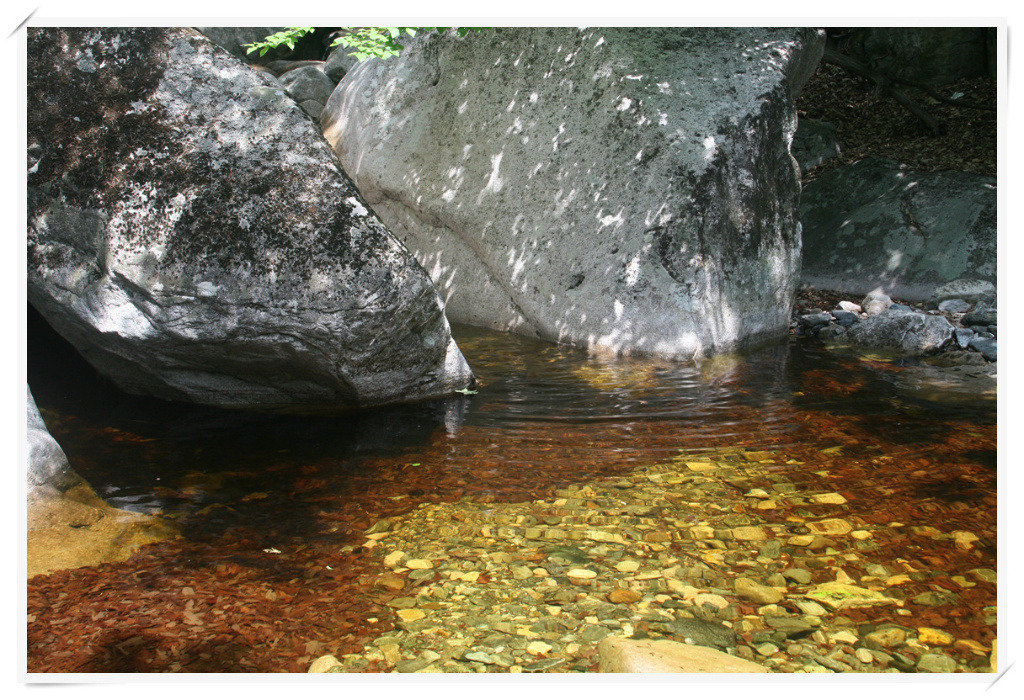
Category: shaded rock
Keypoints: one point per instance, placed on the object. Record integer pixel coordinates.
(49, 473)
(814, 143)
(307, 83)
(932, 55)
(312, 108)
(339, 62)
(845, 318)
(619, 655)
(980, 317)
(69, 525)
(629, 189)
(971, 291)
(874, 224)
(963, 337)
(234, 39)
(193, 237)
(986, 346)
(903, 332)
(813, 321)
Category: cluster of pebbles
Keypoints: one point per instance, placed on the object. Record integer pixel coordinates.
(960, 319)
(692, 551)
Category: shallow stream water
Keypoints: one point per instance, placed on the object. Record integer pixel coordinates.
(544, 417)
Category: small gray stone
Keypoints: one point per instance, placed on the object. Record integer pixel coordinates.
(963, 337)
(935, 663)
(954, 306)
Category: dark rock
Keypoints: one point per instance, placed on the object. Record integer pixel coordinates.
(234, 39)
(813, 321)
(814, 143)
(874, 224)
(845, 318)
(193, 237)
(307, 83)
(980, 317)
(830, 331)
(955, 358)
(339, 63)
(932, 55)
(986, 346)
(312, 108)
(663, 197)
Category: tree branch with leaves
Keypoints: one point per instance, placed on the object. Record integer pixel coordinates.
(366, 42)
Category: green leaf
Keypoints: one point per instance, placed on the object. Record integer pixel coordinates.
(466, 391)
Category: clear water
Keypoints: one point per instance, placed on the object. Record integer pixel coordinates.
(544, 416)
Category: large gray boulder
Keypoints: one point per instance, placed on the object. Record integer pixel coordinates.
(192, 234)
(629, 189)
(874, 224)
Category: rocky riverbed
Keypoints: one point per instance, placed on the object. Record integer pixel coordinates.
(747, 553)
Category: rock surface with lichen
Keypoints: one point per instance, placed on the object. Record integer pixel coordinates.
(193, 236)
(626, 189)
